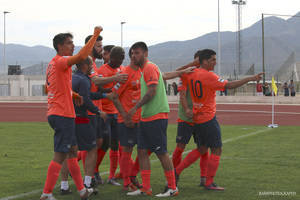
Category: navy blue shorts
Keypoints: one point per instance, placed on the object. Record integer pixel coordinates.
(86, 136)
(110, 127)
(96, 122)
(153, 136)
(208, 134)
(64, 133)
(128, 136)
(184, 133)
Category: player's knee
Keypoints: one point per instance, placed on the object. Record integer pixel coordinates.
(72, 153)
(114, 145)
(216, 151)
(181, 145)
(202, 149)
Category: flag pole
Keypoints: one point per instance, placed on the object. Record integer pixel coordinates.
(274, 92)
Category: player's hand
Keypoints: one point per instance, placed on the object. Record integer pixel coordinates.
(103, 115)
(98, 30)
(257, 77)
(196, 62)
(131, 112)
(189, 113)
(122, 78)
(188, 70)
(128, 123)
(78, 100)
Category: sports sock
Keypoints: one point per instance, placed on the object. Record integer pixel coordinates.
(170, 176)
(177, 156)
(100, 157)
(75, 173)
(146, 175)
(213, 164)
(114, 157)
(120, 155)
(126, 165)
(204, 164)
(52, 176)
(188, 160)
(136, 166)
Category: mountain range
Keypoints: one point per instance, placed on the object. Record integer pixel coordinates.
(281, 39)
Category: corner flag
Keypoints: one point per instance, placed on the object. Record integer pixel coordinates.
(274, 87)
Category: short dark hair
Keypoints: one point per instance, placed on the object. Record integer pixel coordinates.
(206, 54)
(60, 39)
(141, 45)
(108, 47)
(116, 51)
(86, 61)
(99, 38)
(197, 54)
(130, 52)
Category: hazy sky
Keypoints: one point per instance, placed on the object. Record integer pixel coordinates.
(35, 22)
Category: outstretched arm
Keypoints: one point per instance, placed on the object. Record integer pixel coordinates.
(238, 83)
(105, 80)
(195, 63)
(175, 74)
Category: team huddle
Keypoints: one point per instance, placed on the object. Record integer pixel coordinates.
(118, 107)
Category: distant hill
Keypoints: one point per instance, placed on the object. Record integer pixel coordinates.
(281, 39)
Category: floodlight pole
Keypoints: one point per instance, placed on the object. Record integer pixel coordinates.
(219, 41)
(263, 48)
(4, 40)
(122, 33)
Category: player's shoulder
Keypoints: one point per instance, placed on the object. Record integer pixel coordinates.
(103, 68)
(151, 65)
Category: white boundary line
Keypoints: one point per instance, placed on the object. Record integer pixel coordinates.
(152, 161)
(250, 111)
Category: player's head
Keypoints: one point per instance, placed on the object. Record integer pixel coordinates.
(85, 66)
(117, 55)
(207, 59)
(106, 52)
(196, 56)
(97, 50)
(139, 53)
(63, 44)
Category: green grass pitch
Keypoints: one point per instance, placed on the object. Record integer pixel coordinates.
(265, 160)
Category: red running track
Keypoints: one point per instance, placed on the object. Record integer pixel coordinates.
(227, 114)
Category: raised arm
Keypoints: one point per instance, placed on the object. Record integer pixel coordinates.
(85, 51)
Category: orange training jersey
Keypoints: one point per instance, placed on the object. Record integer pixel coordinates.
(94, 88)
(106, 71)
(59, 80)
(203, 86)
(129, 92)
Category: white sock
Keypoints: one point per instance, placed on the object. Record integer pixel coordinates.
(88, 181)
(64, 185)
